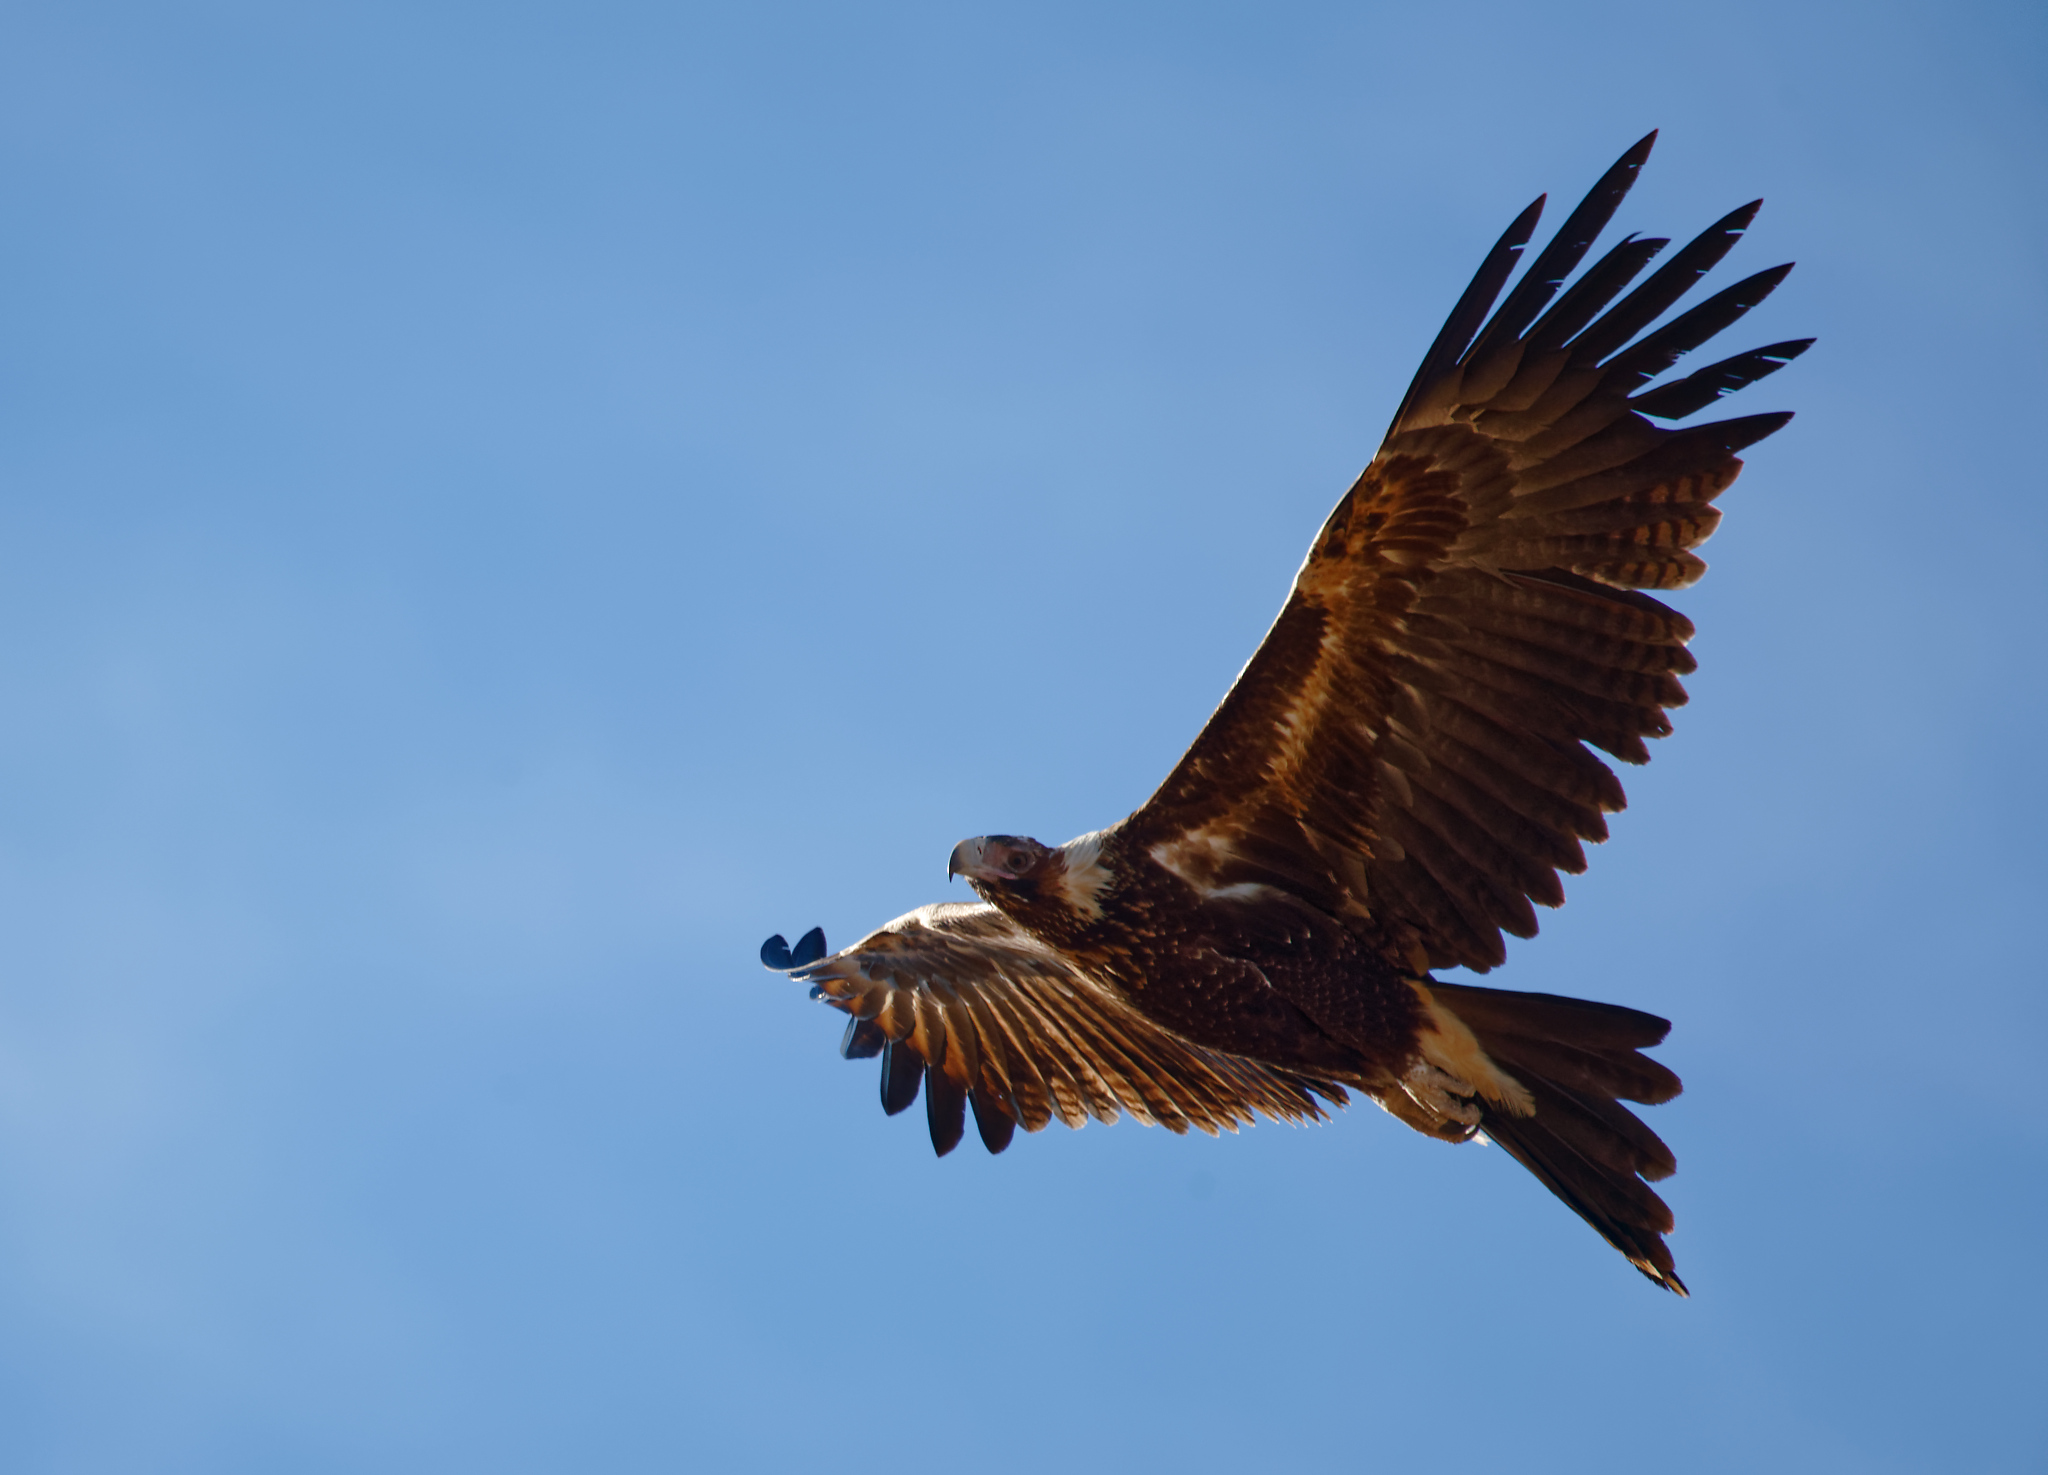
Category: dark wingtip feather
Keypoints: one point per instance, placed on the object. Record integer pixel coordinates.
(1566, 249)
(863, 1040)
(1648, 357)
(994, 1124)
(1594, 289)
(1466, 318)
(1745, 431)
(1669, 283)
(777, 954)
(1696, 391)
(902, 1072)
(945, 1111)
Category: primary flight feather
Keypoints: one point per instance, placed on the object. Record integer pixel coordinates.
(1400, 772)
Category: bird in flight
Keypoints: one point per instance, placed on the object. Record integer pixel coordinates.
(1403, 768)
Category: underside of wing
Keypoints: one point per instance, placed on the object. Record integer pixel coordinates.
(1410, 745)
(960, 1000)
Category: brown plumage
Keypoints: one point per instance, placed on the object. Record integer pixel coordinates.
(1397, 777)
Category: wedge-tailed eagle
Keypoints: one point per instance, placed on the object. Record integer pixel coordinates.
(1401, 771)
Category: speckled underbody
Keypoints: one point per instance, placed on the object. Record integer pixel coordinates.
(1265, 976)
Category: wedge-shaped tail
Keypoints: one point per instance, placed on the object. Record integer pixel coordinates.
(1580, 1061)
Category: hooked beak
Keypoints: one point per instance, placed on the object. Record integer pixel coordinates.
(966, 859)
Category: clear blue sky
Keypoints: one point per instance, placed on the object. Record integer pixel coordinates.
(504, 506)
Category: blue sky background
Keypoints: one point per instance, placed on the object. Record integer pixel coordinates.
(503, 506)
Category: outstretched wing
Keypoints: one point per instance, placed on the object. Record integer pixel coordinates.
(960, 998)
(1408, 746)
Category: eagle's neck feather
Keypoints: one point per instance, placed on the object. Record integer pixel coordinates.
(1084, 875)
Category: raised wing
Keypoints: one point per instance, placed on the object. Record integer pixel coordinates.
(960, 998)
(1408, 745)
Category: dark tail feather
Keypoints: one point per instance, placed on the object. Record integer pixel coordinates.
(1580, 1061)
(1616, 1202)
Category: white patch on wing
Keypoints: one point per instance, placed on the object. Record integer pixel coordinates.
(1083, 874)
(1239, 891)
(1196, 857)
(1199, 857)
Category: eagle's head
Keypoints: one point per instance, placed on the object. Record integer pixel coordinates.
(1000, 860)
(1051, 891)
